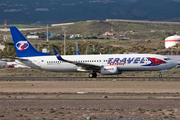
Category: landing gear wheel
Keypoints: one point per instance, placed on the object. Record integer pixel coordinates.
(92, 75)
(160, 75)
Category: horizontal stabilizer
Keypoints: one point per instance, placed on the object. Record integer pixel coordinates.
(15, 58)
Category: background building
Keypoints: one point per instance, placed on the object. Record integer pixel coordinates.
(172, 40)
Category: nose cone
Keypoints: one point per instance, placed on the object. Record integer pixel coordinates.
(174, 63)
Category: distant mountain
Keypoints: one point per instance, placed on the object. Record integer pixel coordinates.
(155, 9)
(59, 11)
(177, 0)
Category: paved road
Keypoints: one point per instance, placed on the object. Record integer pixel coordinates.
(89, 79)
(22, 29)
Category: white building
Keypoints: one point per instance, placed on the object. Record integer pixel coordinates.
(2, 46)
(172, 40)
(33, 36)
(75, 35)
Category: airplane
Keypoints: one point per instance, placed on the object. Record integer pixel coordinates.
(105, 64)
(16, 65)
(3, 64)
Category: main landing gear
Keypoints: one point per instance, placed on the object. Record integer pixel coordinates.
(92, 75)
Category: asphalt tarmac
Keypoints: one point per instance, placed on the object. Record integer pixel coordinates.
(100, 99)
(89, 79)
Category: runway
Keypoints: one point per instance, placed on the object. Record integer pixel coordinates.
(90, 79)
(85, 99)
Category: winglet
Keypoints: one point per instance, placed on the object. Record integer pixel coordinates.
(77, 51)
(57, 55)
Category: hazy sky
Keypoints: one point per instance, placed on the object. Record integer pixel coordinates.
(177, 0)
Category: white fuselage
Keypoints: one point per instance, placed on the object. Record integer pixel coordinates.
(124, 62)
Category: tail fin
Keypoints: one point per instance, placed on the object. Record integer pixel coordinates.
(77, 51)
(23, 46)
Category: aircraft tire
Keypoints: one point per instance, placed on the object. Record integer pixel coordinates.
(91, 75)
(160, 75)
(94, 75)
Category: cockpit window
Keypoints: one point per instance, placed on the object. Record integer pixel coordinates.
(167, 58)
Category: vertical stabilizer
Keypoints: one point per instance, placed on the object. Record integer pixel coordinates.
(23, 46)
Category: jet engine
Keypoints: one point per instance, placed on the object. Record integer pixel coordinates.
(110, 70)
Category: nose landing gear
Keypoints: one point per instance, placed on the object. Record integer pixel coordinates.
(160, 75)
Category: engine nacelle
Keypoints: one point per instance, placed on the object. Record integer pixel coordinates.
(109, 70)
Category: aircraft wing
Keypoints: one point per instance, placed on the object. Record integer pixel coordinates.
(83, 65)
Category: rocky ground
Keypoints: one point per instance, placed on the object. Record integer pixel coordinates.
(96, 109)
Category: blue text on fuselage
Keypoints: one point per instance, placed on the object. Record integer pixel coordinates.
(127, 60)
